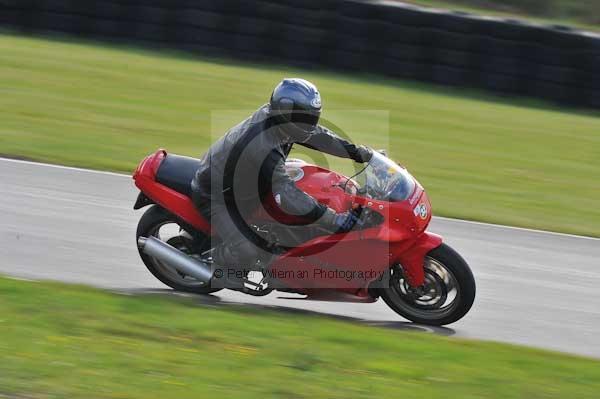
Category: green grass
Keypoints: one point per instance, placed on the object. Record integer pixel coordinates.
(580, 14)
(59, 341)
(480, 157)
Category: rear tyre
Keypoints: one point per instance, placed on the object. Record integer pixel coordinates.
(160, 223)
(446, 297)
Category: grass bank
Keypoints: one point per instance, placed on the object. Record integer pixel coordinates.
(483, 158)
(60, 341)
(581, 14)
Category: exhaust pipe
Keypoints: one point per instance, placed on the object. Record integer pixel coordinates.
(166, 253)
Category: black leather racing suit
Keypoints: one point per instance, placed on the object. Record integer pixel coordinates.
(244, 165)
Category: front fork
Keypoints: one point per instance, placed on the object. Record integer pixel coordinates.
(413, 259)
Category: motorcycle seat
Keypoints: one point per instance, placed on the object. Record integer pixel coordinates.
(177, 172)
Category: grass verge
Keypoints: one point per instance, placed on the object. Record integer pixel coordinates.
(74, 342)
(580, 14)
(485, 158)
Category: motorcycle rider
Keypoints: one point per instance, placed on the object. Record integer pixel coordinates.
(248, 162)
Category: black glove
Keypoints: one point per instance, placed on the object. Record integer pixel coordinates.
(363, 154)
(340, 222)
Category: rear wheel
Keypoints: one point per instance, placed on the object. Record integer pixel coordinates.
(446, 296)
(158, 222)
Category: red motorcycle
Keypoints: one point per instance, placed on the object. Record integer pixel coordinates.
(389, 254)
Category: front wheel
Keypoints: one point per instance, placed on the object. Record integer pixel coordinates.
(446, 296)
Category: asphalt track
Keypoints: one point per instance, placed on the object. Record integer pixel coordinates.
(534, 288)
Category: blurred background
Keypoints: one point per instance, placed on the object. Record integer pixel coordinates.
(550, 61)
(493, 106)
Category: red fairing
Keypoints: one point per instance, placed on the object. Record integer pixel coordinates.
(401, 238)
(309, 267)
(177, 203)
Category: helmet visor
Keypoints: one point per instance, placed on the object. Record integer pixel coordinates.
(305, 120)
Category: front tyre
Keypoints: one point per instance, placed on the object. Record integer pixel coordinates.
(158, 222)
(446, 296)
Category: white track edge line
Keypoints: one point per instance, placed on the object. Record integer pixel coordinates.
(502, 226)
(51, 165)
(102, 172)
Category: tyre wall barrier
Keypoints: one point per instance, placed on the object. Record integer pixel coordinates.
(448, 48)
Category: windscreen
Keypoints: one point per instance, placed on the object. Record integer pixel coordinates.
(385, 180)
